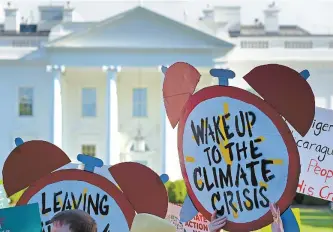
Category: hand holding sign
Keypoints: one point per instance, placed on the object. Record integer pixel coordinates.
(277, 225)
(216, 224)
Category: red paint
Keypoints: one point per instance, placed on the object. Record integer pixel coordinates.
(317, 170)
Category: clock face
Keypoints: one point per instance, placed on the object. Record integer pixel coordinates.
(55, 193)
(237, 155)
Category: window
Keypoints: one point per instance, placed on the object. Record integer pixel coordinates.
(144, 162)
(254, 44)
(26, 101)
(89, 102)
(88, 150)
(298, 44)
(140, 102)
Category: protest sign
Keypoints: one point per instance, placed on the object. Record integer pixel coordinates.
(63, 191)
(230, 148)
(197, 224)
(236, 152)
(20, 219)
(316, 153)
(56, 188)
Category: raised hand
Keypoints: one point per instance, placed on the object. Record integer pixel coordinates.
(216, 224)
(277, 225)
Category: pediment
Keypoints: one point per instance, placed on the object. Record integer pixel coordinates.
(141, 28)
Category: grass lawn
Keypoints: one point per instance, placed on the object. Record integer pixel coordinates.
(316, 220)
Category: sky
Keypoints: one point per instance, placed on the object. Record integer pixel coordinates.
(313, 15)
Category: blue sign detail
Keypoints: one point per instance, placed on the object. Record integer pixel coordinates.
(188, 211)
(223, 75)
(289, 221)
(164, 69)
(90, 162)
(21, 218)
(164, 178)
(18, 141)
(305, 74)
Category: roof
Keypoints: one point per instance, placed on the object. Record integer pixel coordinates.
(280, 54)
(19, 34)
(259, 30)
(144, 11)
(196, 24)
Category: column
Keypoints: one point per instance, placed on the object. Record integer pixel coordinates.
(57, 72)
(112, 143)
(164, 121)
(169, 146)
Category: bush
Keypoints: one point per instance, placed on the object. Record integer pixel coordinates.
(298, 199)
(176, 191)
(314, 201)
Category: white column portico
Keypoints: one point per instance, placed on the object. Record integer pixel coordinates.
(57, 72)
(111, 100)
(169, 151)
(164, 121)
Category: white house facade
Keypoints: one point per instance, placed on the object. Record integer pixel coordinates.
(96, 87)
(270, 42)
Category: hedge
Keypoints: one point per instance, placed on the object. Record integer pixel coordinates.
(177, 193)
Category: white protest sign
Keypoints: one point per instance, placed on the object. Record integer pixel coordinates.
(197, 224)
(316, 155)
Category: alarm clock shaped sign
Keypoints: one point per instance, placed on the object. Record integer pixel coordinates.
(113, 207)
(236, 152)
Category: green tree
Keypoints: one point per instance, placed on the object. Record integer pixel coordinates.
(170, 186)
(176, 191)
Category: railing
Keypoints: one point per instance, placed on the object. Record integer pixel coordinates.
(254, 44)
(26, 43)
(323, 43)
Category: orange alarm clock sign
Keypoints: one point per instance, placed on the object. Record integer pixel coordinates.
(236, 152)
(113, 207)
(76, 189)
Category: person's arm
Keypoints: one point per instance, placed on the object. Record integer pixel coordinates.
(216, 224)
(277, 225)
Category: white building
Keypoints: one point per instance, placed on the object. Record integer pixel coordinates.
(95, 87)
(269, 42)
